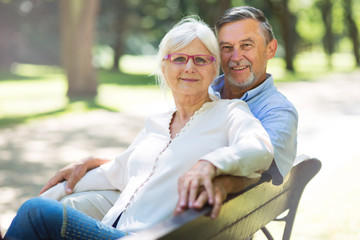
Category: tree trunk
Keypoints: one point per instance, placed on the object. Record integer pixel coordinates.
(328, 39)
(8, 35)
(353, 31)
(78, 19)
(118, 52)
(211, 12)
(119, 27)
(287, 22)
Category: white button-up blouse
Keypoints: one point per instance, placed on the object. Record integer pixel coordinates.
(223, 132)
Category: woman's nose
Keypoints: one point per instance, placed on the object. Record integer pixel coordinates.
(190, 65)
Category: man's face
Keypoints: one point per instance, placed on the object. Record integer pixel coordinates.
(244, 53)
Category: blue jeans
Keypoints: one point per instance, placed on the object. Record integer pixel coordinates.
(44, 218)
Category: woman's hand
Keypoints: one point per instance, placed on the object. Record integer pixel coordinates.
(196, 180)
(73, 173)
(222, 186)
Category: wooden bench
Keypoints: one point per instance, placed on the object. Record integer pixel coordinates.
(242, 214)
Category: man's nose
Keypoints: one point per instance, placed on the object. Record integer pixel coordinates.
(237, 54)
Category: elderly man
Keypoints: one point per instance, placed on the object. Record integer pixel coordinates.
(246, 42)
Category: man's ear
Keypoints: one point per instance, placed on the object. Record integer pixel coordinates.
(271, 49)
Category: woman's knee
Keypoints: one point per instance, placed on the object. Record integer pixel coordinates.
(33, 204)
(37, 218)
(41, 209)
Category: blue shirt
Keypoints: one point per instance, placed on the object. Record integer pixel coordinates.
(279, 118)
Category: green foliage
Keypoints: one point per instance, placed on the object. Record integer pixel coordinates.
(123, 79)
(237, 3)
(309, 25)
(338, 16)
(136, 27)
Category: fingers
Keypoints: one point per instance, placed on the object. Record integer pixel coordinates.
(73, 173)
(193, 192)
(73, 180)
(52, 182)
(189, 189)
(45, 188)
(62, 175)
(74, 177)
(179, 208)
(182, 205)
(201, 200)
(217, 206)
(209, 190)
(183, 194)
(71, 184)
(192, 183)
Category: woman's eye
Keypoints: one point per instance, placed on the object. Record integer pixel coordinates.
(179, 59)
(200, 60)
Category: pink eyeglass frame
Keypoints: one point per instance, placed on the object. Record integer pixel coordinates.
(188, 57)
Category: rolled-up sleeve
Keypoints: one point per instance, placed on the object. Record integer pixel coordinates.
(250, 150)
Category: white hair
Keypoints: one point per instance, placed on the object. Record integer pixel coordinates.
(180, 36)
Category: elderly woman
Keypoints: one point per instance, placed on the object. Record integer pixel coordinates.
(202, 134)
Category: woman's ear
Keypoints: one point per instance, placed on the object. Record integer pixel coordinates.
(163, 67)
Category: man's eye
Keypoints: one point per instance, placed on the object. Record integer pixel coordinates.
(226, 49)
(247, 46)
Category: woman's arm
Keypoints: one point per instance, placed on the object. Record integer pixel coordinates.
(249, 153)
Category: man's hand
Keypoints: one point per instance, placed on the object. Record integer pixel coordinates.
(73, 173)
(197, 179)
(220, 194)
(220, 190)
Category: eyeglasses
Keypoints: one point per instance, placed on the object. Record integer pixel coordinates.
(182, 58)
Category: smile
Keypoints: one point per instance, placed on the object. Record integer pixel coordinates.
(239, 67)
(189, 79)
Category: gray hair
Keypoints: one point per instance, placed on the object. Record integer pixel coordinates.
(245, 12)
(180, 36)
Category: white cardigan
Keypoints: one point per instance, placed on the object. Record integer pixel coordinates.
(223, 132)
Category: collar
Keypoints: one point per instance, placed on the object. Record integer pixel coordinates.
(218, 86)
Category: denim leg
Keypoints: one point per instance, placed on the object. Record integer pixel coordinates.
(44, 218)
(37, 218)
(78, 225)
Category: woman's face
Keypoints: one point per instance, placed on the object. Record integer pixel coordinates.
(189, 79)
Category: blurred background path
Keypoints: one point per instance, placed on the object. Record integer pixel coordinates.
(329, 111)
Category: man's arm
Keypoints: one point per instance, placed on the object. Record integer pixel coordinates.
(73, 173)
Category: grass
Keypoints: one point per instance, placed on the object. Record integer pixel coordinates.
(31, 92)
(310, 66)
